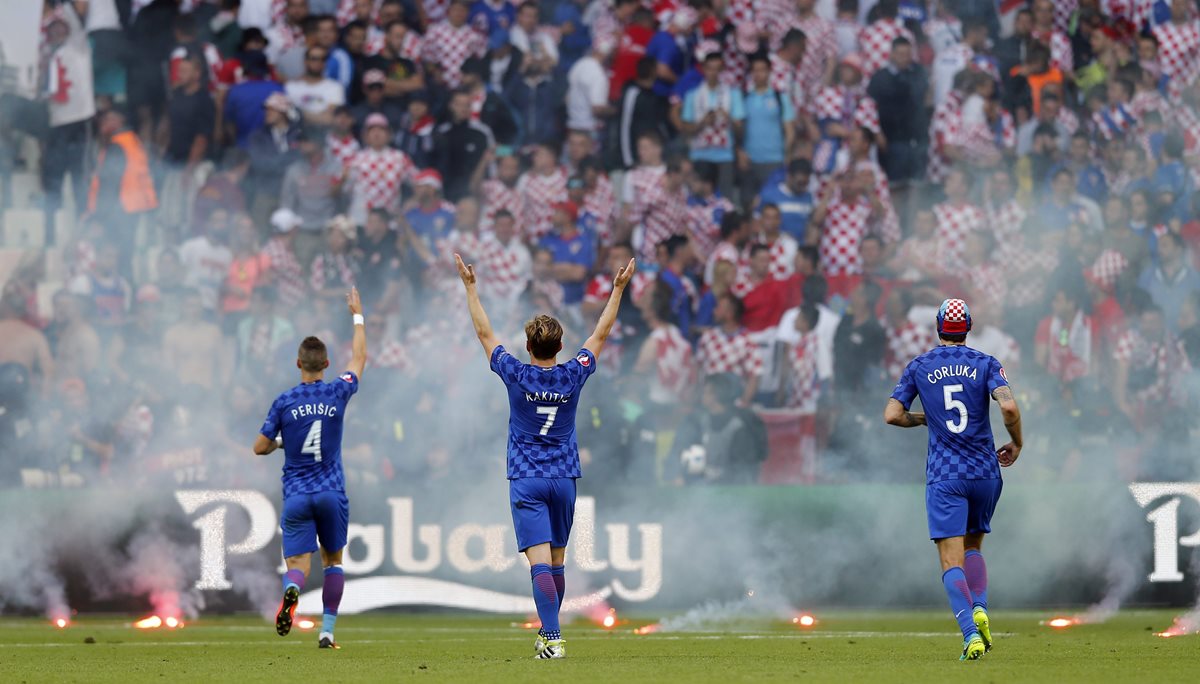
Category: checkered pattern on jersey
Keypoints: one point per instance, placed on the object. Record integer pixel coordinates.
(907, 342)
(1028, 272)
(531, 454)
(660, 213)
(435, 10)
(497, 196)
(704, 224)
(1158, 367)
(1179, 55)
(783, 256)
(803, 388)
(953, 457)
(286, 273)
(722, 251)
(333, 271)
(1063, 9)
(376, 176)
(875, 42)
(784, 80)
(601, 202)
(675, 372)
(1006, 220)
(506, 267)
(342, 149)
(1113, 122)
(538, 195)
(450, 48)
(606, 27)
(850, 106)
(1061, 55)
(304, 473)
(388, 353)
(345, 11)
(954, 223)
(705, 100)
(820, 48)
(945, 130)
(846, 224)
(773, 17)
(720, 352)
(986, 142)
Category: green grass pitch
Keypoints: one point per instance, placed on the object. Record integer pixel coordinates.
(842, 647)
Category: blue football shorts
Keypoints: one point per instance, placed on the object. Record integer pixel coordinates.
(959, 507)
(307, 518)
(543, 510)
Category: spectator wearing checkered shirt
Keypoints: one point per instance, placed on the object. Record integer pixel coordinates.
(448, 44)
(841, 108)
(782, 246)
(505, 262)
(335, 270)
(1044, 30)
(727, 348)
(706, 208)
(665, 357)
(1151, 365)
(877, 39)
(543, 185)
(840, 221)
(374, 175)
(800, 385)
(500, 193)
(713, 118)
(957, 216)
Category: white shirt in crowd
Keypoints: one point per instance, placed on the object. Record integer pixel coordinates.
(315, 98)
(826, 328)
(70, 73)
(587, 87)
(205, 265)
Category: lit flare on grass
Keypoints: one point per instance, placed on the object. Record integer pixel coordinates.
(306, 624)
(609, 621)
(1179, 628)
(1062, 622)
(647, 629)
(61, 623)
(152, 622)
(804, 620)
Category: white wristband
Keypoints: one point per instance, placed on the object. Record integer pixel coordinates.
(278, 440)
(358, 319)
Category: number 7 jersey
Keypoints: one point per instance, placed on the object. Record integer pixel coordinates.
(955, 384)
(541, 418)
(309, 416)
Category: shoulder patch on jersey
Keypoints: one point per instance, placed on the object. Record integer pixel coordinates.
(583, 360)
(1003, 374)
(348, 377)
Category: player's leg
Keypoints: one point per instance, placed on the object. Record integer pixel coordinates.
(982, 503)
(531, 521)
(947, 508)
(562, 518)
(299, 542)
(333, 524)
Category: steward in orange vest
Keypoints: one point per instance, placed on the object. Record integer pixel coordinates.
(121, 183)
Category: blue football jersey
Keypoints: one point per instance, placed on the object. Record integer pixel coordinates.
(955, 384)
(541, 413)
(309, 416)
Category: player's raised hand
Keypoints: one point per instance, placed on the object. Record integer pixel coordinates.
(1008, 454)
(465, 271)
(353, 301)
(625, 274)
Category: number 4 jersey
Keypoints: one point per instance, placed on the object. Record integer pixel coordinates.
(955, 384)
(541, 419)
(309, 416)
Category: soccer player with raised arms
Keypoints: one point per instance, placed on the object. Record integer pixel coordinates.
(543, 455)
(962, 472)
(306, 421)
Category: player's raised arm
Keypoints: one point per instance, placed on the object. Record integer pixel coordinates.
(483, 327)
(264, 445)
(1009, 453)
(358, 346)
(609, 316)
(895, 414)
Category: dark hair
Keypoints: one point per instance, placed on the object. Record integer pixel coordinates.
(793, 36)
(769, 205)
(312, 355)
(706, 171)
(476, 66)
(502, 213)
(814, 290)
(726, 387)
(888, 9)
(185, 24)
(810, 253)
(810, 313)
(646, 68)
(760, 56)
(900, 41)
(544, 335)
(673, 244)
(739, 308)
(758, 248)
(731, 222)
(800, 165)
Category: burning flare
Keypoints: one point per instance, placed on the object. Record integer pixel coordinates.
(1061, 622)
(152, 622)
(61, 623)
(306, 624)
(805, 620)
(647, 629)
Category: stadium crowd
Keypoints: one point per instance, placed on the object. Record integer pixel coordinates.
(801, 181)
